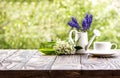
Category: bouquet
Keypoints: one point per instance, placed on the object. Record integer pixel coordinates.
(86, 23)
(64, 47)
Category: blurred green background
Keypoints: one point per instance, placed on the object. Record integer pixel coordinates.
(29, 24)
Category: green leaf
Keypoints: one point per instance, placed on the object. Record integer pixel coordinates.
(47, 51)
(78, 47)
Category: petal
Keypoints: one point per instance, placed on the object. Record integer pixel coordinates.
(87, 20)
(84, 25)
(74, 23)
(87, 16)
(77, 26)
(71, 24)
(90, 18)
(74, 19)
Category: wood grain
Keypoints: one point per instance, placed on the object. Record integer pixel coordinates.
(18, 60)
(66, 66)
(5, 54)
(65, 74)
(24, 74)
(96, 66)
(100, 76)
(33, 64)
(99, 65)
(40, 63)
(67, 62)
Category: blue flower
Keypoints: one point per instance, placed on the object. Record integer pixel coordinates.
(87, 21)
(84, 25)
(74, 23)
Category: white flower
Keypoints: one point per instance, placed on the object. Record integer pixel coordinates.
(63, 47)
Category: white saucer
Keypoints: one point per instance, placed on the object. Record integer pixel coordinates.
(95, 53)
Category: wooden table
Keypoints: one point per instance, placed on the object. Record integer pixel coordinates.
(32, 64)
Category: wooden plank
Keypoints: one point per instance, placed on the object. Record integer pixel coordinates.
(100, 76)
(39, 63)
(95, 63)
(66, 66)
(115, 62)
(65, 74)
(99, 65)
(40, 74)
(18, 60)
(24, 74)
(116, 57)
(4, 54)
(67, 62)
(31, 64)
(38, 53)
(94, 66)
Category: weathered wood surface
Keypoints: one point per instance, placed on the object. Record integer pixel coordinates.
(70, 65)
(32, 64)
(100, 66)
(40, 63)
(67, 63)
(17, 60)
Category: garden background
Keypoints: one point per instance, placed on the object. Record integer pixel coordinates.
(33, 24)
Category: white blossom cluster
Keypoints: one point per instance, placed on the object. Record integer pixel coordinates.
(63, 47)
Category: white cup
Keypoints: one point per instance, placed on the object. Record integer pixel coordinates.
(103, 46)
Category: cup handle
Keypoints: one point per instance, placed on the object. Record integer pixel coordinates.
(70, 36)
(114, 44)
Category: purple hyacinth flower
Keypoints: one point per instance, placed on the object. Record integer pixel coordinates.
(87, 21)
(84, 25)
(87, 17)
(74, 20)
(90, 19)
(74, 23)
(71, 24)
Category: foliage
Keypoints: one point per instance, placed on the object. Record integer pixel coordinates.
(47, 51)
(30, 24)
